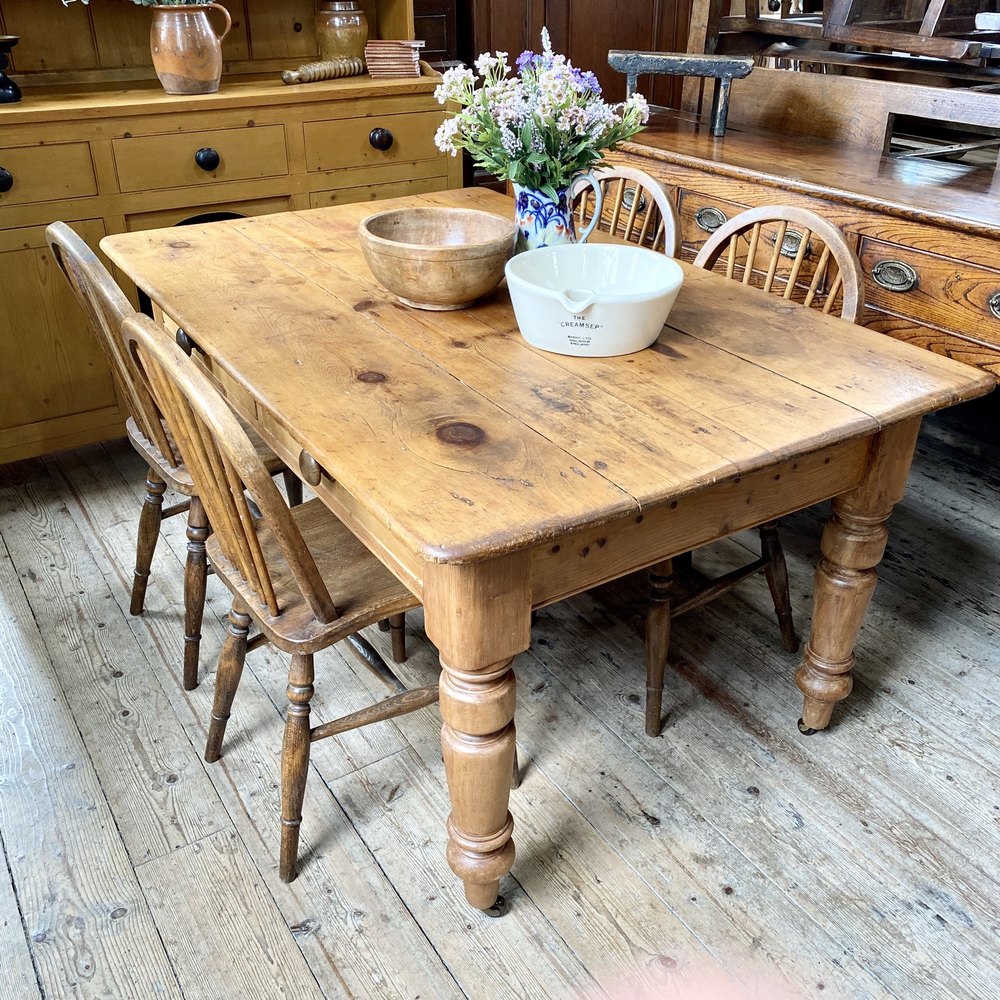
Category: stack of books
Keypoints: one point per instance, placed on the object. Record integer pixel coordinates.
(389, 58)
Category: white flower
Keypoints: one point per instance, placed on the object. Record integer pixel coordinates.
(546, 42)
(445, 136)
(485, 63)
(456, 85)
(641, 106)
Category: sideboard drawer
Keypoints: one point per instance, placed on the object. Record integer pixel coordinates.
(46, 173)
(932, 289)
(700, 216)
(152, 162)
(359, 142)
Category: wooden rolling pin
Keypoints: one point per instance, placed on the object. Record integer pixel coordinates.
(327, 70)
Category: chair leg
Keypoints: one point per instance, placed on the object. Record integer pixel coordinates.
(195, 575)
(515, 778)
(149, 532)
(657, 642)
(295, 761)
(293, 487)
(397, 630)
(777, 581)
(227, 679)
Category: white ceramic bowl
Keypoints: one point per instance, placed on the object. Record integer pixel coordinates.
(592, 300)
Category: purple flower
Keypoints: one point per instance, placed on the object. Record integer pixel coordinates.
(586, 80)
(526, 59)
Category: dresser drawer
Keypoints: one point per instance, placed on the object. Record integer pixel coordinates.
(355, 142)
(373, 192)
(933, 289)
(700, 216)
(47, 173)
(154, 162)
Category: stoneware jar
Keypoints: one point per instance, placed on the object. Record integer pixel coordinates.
(341, 30)
(187, 52)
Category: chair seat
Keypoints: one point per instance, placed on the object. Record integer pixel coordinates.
(361, 587)
(177, 477)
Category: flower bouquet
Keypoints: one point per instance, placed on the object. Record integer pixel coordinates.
(540, 128)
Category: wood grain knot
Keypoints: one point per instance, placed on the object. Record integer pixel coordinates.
(372, 377)
(363, 305)
(179, 244)
(462, 434)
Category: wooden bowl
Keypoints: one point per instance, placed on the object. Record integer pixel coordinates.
(437, 258)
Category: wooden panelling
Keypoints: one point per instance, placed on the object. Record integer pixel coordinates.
(331, 145)
(163, 161)
(282, 30)
(585, 30)
(47, 173)
(49, 354)
(53, 37)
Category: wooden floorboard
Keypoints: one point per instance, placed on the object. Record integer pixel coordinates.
(856, 864)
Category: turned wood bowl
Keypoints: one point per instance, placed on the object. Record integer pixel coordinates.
(437, 258)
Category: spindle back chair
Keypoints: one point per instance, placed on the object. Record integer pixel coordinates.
(813, 265)
(106, 308)
(635, 208)
(297, 572)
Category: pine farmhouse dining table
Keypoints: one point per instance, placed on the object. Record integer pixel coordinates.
(494, 478)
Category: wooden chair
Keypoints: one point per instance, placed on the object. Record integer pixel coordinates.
(812, 264)
(297, 572)
(106, 307)
(636, 208)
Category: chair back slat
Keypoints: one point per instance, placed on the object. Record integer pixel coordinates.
(800, 256)
(106, 307)
(648, 220)
(818, 276)
(835, 284)
(772, 266)
(225, 467)
(751, 252)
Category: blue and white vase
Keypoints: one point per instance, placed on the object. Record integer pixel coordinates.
(545, 222)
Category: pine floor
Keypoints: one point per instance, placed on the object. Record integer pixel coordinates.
(858, 863)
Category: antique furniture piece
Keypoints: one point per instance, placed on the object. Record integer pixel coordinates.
(812, 264)
(926, 229)
(649, 219)
(106, 307)
(722, 69)
(297, 572)
(97, 143)
(492, 478)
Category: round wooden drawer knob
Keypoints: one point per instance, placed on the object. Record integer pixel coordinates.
(6, 180)
(381, 138)
(208, 159)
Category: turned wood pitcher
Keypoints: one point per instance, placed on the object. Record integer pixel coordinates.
(187, 52)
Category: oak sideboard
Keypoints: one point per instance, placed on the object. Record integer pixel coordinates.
(927, 230)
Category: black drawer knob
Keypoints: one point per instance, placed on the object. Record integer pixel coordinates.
(381, 138)
(208, 159)
(6, 180)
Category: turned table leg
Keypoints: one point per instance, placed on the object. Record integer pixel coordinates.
(479, 617)
(477, 739)
(853, 543)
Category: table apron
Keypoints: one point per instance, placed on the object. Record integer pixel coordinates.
(578, 562)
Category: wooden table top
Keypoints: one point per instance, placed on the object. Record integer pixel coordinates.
(466, 442)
